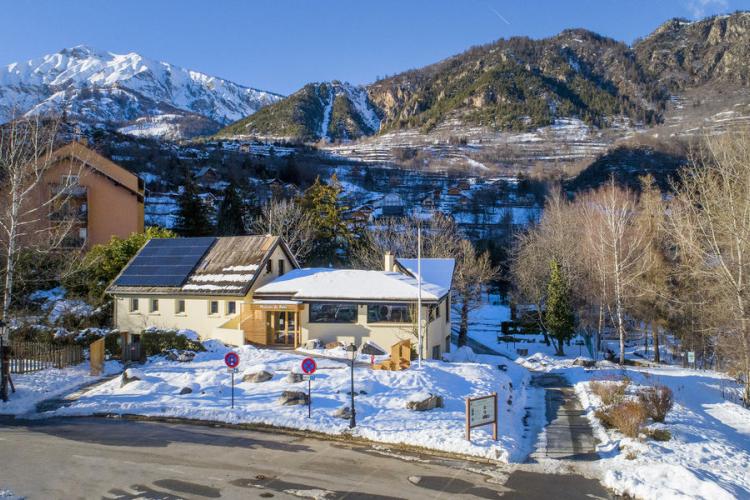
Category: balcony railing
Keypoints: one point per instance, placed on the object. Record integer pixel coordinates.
(70, 214)
(68, 190)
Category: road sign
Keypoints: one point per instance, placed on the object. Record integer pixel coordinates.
(481, 411)
(309, 366)
(691, 356)
(232, 359)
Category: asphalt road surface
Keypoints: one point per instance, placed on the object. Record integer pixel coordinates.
(122, 459)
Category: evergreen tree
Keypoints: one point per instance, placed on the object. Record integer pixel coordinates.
(193, 216)
(230, 221)
(558, 317)
(332, 235)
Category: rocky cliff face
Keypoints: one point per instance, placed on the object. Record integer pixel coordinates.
(683, 54)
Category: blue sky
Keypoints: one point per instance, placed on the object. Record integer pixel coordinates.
(280, 45)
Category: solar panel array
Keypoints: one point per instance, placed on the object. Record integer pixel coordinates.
(165, 262)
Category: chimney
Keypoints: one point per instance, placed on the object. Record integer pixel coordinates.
(389, 262)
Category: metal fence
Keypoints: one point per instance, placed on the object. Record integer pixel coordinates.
(28, 357)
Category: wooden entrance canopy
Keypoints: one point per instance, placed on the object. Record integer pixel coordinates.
(259, 321)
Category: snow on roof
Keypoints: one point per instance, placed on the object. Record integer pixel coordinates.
(437, 271)
(350, 284)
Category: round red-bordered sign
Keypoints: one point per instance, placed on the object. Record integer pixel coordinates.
(232, 359)
(309, 366)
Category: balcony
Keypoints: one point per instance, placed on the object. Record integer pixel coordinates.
(68, 213)
(68, 190)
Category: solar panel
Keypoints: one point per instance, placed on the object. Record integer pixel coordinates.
(165, 262)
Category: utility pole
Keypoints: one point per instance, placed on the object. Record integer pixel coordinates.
(419, 295)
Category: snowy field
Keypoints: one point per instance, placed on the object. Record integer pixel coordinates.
(381, 398)
(708, 455)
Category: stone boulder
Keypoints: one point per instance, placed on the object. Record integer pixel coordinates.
(130, 375)
(427, 403)
(294, 378)
(185, 390)
(314, 344)
(289, 398)
(585, 362)
(257, 377)
(344, 412)
(180, 355)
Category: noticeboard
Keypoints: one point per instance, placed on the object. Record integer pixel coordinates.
(481, 411)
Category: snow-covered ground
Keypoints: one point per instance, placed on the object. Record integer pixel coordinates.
(381, 408)
(708, 455)
(35, 387)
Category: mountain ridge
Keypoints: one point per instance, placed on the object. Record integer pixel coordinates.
(521, 84)
(101, 88)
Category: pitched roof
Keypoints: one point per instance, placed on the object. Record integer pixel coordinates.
(228, 267)
(349, 284)
(437, 271)
(100, 165)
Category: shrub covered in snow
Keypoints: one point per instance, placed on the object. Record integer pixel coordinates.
(463, 354)
(155, 341)
(657, 401)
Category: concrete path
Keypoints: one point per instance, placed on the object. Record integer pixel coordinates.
(568, 435)
(124, 459)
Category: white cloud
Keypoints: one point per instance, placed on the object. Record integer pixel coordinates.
(700, 8)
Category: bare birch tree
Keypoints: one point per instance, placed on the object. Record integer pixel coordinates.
(619, 250)
(26, 156)
(710, 224)
(291, 222)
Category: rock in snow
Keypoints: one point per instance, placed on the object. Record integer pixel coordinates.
(289, 398)
(257, 377)
(429, 403)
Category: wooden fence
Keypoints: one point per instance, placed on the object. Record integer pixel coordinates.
(32, 356)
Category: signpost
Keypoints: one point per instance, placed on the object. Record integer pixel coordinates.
(232, 360)
(308, 367)
(691, 358)
(481, 411)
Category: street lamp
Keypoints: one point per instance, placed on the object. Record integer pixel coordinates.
(4, 363)
(352, 349)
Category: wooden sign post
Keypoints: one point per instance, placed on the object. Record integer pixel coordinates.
(96, 357)
(481, 411)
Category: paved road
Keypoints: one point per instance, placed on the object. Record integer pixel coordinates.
(121, 459)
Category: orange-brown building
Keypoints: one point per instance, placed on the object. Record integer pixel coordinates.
(100, 199)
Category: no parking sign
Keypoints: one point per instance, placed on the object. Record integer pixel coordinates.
(309, 366)
(232, 360)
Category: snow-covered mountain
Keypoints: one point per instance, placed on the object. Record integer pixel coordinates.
(126, 91)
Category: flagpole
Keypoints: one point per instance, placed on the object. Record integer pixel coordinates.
(419, 296)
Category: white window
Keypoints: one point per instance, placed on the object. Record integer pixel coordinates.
(213, 307)
(154, 305)
(179, 306)
(83, 233)
(231, 307)
(133, 305)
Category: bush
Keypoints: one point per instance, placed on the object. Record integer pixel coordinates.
(610, 392)
(658, 401)
(628, 417)
(155, 342)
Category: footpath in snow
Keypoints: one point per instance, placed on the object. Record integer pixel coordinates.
(708, 455)
(381, 398)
